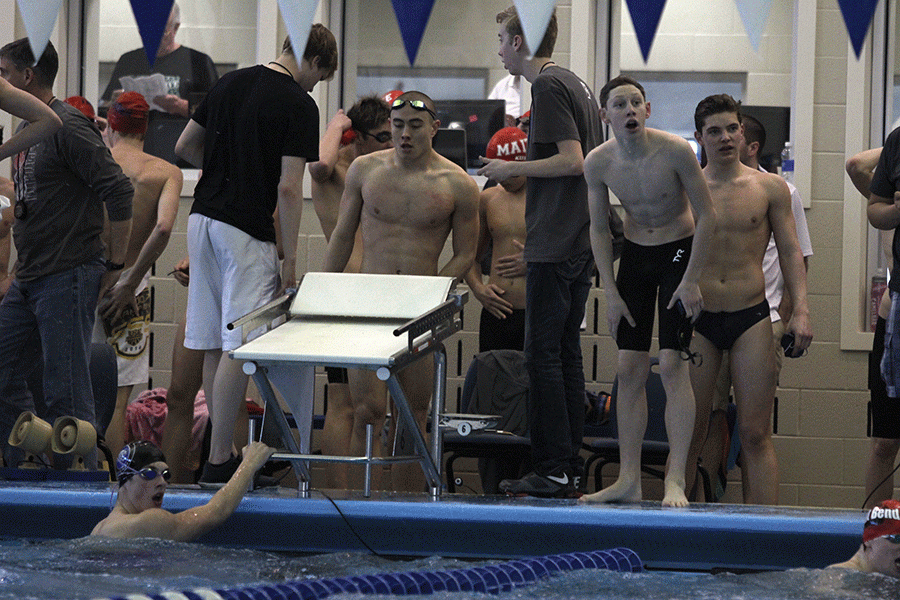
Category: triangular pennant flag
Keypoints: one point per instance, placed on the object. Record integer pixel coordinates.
(412, 17)
(39, 17)
(754, 14)
(645, 16)
(857, 17)
(151, 17)
(534, 16)
(298, 17)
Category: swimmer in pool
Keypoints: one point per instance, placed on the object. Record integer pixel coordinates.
(880, 548)
(143, 476)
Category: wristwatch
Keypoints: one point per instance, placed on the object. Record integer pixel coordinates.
(111, 266)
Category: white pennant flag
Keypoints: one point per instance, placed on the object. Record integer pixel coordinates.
(754, 14)
(534, 16)
(39, 17)
(298, 17)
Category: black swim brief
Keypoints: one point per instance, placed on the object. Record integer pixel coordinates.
(724, 328)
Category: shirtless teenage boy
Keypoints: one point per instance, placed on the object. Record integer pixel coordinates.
(406, 201)
(125, 311)
(143, 477)
(658, 180)
(369, 121)
(751, 205)
(502, 210)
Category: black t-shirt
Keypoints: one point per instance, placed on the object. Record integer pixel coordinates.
(556, 212)
(252, 117)
(885, 182)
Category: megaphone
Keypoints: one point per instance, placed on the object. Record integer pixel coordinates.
(73, 436)
(32, 434)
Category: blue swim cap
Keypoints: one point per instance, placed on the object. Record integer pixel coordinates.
(134, 457)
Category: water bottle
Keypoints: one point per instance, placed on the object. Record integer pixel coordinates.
(787, 162)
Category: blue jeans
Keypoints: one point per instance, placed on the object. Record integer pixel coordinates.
(556, 294)
(49, 320)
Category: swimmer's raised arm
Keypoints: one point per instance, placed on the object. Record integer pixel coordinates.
(189, 146)
(329, 146)
(43, 122)
(189, 524)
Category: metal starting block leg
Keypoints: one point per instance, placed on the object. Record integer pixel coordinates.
(271, 401)
(407, 419)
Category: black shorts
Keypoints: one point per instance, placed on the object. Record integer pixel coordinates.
(884, 411)
(645, 273)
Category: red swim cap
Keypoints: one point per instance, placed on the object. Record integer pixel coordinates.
(391, 96)
(83, 105)
(510, 143)
(884, 520)
(128, 114)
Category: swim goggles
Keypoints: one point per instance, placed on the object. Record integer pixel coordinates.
(416, 104)
(147, 473)
(380, 137)
(893, 538)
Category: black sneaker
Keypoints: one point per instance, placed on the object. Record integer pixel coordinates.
(216, 476)
(558, 483)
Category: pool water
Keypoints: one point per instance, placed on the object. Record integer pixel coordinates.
(92, 567)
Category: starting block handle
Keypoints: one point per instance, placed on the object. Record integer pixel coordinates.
(264, 315)
(437, 316)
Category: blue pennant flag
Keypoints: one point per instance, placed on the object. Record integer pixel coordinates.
(857, 17)
(412, 17)
(151, 17)
(645, 16)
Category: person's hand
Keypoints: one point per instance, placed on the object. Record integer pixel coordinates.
(173, 104)
(120, 297)
(802, 330)
(497, 169)
(107, 281)
(255, 455)
(513, 265)
(491, 298)
(182, 271)
(691, 299)
(340, 120)
(616, 310)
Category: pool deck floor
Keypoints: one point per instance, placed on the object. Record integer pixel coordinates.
(700, 537)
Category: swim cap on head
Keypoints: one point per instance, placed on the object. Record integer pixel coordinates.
(134, 457)
(83, 105)
(883, 520)
(391, 96)
(128, 114)
(510, 143)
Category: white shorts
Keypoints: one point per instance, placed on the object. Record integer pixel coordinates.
(231, 274)
(129, 337)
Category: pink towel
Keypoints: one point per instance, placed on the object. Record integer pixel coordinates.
(146, 416)
(146, 420)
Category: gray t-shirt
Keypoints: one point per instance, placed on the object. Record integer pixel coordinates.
(556, 212)
(62, 183)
